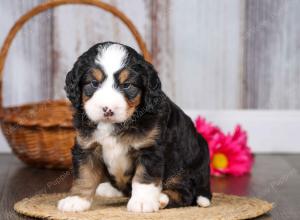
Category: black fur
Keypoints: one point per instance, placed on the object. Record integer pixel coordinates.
(179, 151)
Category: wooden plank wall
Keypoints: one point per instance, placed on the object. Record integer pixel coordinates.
(210, 54)
(272, 55)
(28, 69)
(207, 52)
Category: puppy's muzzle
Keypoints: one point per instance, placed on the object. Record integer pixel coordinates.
(107, 112)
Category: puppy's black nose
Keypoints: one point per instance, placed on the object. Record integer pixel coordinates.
(107, 112)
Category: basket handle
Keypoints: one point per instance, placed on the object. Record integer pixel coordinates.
(53, 3)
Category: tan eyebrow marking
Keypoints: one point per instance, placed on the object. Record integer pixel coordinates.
(97, 74)
(123, 76)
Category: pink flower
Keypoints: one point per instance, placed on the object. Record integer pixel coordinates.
(229, 154)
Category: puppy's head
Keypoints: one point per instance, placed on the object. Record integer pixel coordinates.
(111, 82)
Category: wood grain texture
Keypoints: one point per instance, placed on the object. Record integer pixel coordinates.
(272, 54)
(23, 180)
(162, 45)
(28, 69)
(198, 49)
(210, 54)
(207, 53)
(274, 178)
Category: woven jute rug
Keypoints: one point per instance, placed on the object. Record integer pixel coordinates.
(223, 207)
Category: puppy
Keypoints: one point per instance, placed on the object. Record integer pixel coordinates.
(132, 140)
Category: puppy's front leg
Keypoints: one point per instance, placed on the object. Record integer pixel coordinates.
(88, 174)
(146, 184)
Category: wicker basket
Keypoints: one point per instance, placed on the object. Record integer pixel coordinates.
(41, 134)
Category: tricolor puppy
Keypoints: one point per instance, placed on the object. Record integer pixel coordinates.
(132, 140)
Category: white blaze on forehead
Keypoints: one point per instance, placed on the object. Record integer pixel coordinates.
(111, 58)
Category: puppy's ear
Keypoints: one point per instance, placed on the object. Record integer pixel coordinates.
(152, 85)
(72, 84)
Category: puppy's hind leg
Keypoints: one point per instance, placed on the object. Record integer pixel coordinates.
(204, 196)
(172, 198)
(176, 198)
(181, 192)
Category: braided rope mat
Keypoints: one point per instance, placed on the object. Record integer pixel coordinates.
(223, 207)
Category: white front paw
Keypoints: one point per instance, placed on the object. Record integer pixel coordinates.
(73, 204)
(147, 203)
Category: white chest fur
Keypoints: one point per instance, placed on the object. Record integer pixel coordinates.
(115, 155)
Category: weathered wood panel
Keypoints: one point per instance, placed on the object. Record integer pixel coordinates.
(162, 44)
(196, 48)
(28, 69)
(210, 54)
(76, 28)
(207, 51)
(272, 54)
(27, 73)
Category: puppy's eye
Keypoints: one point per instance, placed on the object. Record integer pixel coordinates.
(127, 86)
(130, 90)
(95, 84)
